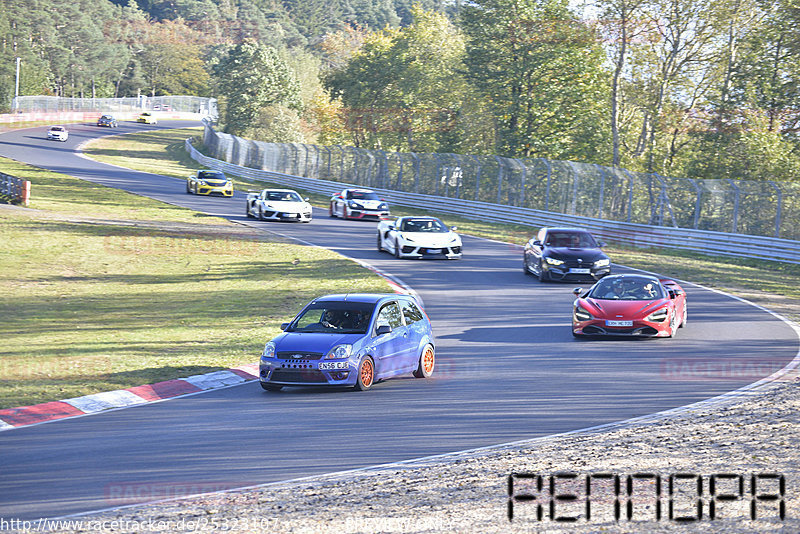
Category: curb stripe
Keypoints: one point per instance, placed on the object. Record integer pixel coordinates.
(28, 415)
(164, 390)
(97, 402)
(11, 418)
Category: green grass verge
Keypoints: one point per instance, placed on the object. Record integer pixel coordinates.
(105, 290)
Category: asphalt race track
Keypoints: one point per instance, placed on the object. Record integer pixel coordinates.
(507, 369)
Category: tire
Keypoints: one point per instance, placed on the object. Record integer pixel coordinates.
(331, 214)
(685, 316)
(673, 328)
(380, 245)
(247, 211)
(196, 187)
(427, 362)
(271, 387)
(366, 374)
(396, 249)
(260, 214)
(543, 277)
(345, 215)
(525, 266)
(188, 189)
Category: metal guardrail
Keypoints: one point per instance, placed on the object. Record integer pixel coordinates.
(14, 190)
(639, 235)
(752, 207)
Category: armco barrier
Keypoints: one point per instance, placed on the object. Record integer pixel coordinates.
(14, 190)
(639, 235)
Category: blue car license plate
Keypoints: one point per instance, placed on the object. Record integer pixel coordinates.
(331, 366)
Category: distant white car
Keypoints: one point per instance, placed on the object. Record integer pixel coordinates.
(58, 133)
(358, 204)
(419, 237)
(278, 205)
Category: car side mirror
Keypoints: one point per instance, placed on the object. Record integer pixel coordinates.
(391, 227)
(284, 326)
(537, 243)
(577, 291)
(306, 199)
(383, 329)
(454, 228)
(600, 244)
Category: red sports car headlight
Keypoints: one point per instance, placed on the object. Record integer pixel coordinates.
(582, 315)
(658, 316)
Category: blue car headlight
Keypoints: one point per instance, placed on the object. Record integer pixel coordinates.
(339, 351)
(554, 261)
(269, 350)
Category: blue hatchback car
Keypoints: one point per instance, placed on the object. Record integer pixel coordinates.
(350, 340)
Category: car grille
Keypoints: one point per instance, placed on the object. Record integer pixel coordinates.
(309, 376)
(636, 331)
(574, 264)
(293, 355)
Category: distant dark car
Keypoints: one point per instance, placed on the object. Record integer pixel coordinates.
(107, 120)
(568, 254)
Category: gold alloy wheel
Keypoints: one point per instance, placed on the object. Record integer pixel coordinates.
(428, 360)
(366, 373)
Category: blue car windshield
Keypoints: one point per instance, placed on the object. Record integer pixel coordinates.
(335, 317)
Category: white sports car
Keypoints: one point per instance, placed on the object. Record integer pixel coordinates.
(358, 204)
(278, 205)
(59, 133)
(419, 237)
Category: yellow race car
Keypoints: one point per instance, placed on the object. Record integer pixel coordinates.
(208, 182)
(147, 118)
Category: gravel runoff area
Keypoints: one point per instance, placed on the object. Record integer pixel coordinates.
(754, 432)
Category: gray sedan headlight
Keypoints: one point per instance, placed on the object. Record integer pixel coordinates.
(602, 263)
(554, 261)
(269, 350)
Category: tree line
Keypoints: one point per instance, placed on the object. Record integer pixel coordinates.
(697, 88)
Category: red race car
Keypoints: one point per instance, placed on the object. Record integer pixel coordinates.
(629, 305)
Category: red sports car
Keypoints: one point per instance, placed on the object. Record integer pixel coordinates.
(629, 305)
